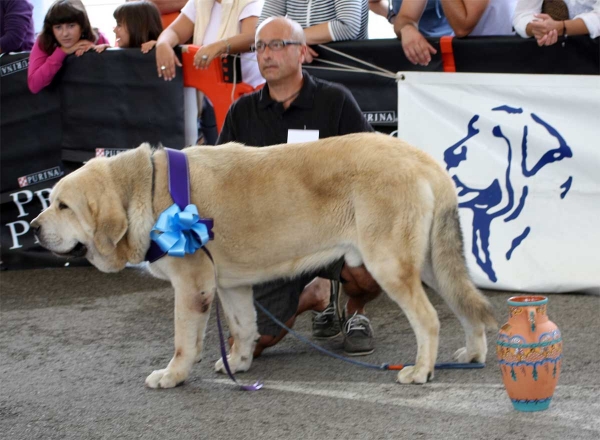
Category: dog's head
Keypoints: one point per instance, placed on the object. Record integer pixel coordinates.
(86, 217)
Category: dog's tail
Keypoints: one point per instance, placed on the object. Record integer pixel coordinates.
(450, 269)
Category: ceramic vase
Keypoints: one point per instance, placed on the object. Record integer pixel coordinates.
(529, 350)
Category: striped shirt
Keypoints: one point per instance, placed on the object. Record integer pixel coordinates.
(347, 19)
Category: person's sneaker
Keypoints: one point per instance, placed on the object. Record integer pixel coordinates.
(326, 324)
(358, 336)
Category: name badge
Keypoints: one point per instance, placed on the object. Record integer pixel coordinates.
(296, 136)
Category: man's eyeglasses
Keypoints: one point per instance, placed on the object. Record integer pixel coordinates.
(274, 45)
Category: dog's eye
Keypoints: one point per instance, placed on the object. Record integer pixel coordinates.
(62, 206)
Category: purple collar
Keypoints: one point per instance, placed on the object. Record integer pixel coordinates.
(179, 229)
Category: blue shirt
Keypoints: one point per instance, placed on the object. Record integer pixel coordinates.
(433, 22)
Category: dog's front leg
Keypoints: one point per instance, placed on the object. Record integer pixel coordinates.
(192, 309)
(241, 318)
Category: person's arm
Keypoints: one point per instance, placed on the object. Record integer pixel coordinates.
(379, 7)
(583, 24)
(169, 6)
(239, 43)
(409, 15)
(17, 19)
(178, 32)
(42, 68)
(590, 19)
(273, 8)
(345, 25)
(463, 15)
(406, 26)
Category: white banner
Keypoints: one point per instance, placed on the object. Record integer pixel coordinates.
(524, 153)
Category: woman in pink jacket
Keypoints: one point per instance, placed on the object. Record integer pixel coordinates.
(66, 30)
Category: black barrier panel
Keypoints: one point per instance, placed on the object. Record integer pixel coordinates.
(30, 127)
(97, 104)
(376, 95)
(579, 56)
(115, 100)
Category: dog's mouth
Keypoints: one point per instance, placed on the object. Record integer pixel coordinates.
(78, 251)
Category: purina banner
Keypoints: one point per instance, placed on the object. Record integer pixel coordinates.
(524, 153)
(98, 105)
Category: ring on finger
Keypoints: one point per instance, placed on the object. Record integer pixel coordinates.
(163, 67)
(204, 57)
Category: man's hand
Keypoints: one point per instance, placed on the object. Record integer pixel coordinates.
(416, 48)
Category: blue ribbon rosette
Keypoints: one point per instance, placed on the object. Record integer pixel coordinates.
(180, 232)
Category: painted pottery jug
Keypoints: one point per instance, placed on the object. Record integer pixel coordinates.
(529, 350)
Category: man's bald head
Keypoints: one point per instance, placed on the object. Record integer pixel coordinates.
(289, 29)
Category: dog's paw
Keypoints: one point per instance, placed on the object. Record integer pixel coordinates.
(163, 379)
(418, 375)
(463, 356)
(236, 365)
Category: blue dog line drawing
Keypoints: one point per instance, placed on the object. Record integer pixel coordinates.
(484, 200)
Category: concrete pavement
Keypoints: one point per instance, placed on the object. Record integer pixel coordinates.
(76, 346)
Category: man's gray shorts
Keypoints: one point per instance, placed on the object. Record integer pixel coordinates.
(281, 297)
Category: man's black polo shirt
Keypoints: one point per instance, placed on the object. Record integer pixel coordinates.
(257, 120)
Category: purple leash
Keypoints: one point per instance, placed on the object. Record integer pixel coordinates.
(258, 385)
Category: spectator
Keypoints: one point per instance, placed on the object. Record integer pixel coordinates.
(323, 20)
(16, 26)
(138, 25)
(416, 20)
(583, 19)
(221, 27)
(428, 16)
(292, 99)
(479, 18)
(66, 30)
(476, 18)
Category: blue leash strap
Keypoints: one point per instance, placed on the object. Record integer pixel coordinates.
(315, 346)
(442, 366)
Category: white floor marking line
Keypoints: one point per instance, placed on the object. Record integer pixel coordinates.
(574, 406)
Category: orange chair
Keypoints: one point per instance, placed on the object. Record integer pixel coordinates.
(211, 81)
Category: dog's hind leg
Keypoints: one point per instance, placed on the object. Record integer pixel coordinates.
(455, 286)
(400, 279)
(241, 319)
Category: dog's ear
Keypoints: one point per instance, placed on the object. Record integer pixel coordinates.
(110, 221)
